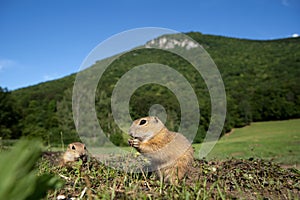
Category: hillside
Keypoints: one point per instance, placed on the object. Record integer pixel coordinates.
(261, 80)
(276, 141)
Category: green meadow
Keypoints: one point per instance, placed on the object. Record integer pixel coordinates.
(277, 141)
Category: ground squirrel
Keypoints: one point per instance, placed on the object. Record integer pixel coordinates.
(170, 153)
(75, 151)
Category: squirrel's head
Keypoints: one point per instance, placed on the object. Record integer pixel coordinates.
(145, 128)
(78, 149)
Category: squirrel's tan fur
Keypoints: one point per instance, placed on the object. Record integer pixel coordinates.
(170, 153)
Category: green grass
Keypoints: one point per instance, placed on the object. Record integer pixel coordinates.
(231, 179)
(278, 141)
(221, 178)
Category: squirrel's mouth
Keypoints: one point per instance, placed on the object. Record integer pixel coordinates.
(82, 157)
(134, 137)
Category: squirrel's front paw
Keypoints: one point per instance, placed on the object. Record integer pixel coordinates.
(134, 143)
(130, 141)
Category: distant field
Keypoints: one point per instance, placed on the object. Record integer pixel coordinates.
(278, 141)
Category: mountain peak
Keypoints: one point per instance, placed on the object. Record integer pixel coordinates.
(166, 42)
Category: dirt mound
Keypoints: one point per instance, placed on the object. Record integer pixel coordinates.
(249, 179)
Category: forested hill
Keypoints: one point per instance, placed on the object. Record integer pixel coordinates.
(261, 80)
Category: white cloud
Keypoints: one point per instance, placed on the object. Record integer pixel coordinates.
(295, 35)
(4, 63)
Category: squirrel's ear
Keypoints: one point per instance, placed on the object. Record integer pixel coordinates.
(156, 119)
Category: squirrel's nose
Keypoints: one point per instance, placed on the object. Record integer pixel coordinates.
(130, 133)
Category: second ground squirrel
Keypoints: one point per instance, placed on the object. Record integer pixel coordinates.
(74, 152)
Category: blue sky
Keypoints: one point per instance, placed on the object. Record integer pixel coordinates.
(41, 40)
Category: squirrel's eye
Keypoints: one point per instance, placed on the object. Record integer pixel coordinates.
(84, 147)
(142, 122)
(73, 147)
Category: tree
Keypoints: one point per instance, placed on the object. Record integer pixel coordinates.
(9, 117)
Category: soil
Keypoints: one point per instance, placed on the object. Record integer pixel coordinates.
(248, 179)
